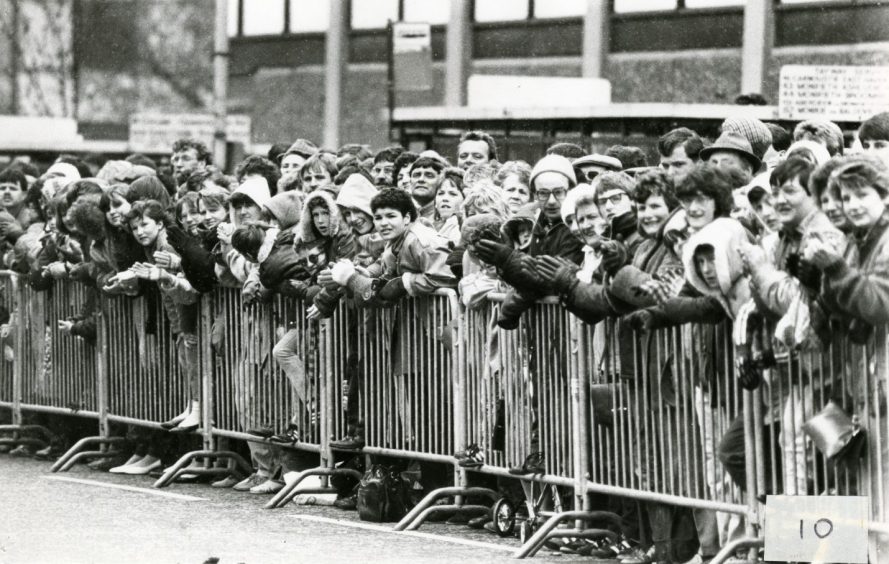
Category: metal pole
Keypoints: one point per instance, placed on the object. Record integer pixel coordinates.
(458, 46)
(595, 38)
(757, 45)
(390, 78)
(335, 61)
(220, 83)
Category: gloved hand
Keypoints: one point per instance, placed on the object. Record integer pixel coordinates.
(749, 372)
(805, 271)
(342, 271)
(559, 273)
(614, 256)
(394, 290)
(623, 225)
(492, 253)
(641, 321)
(455, 261)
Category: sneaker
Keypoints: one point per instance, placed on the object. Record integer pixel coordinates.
(348, 503)
(143, 467)
(227, 482)
(268, 487)
(264, 432)
(533, 464)
(349, 442)
(476, 461)
(288, 437)
(22, 451)
(249, 482)
(132, 460)
(48, 453)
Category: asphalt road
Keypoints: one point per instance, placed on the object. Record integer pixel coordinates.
(79, 516)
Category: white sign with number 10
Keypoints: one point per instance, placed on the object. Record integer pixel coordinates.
(816, 529)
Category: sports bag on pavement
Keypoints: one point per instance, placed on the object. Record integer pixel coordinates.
(381, 495)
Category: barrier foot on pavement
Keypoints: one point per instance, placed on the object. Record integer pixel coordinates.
(18, 430)
(289, 491)
(74, 453)
(419, 513)
(547, 530)
(181, 466)
(729, 550)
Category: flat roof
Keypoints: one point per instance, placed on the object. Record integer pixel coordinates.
(611, 111)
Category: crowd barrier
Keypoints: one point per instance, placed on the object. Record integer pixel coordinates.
(613, 412)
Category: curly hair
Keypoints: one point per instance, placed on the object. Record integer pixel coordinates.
(711, 182)
(203, 154)
(395, 199)
(859, 172)
(485, 197)
(656, 183)
(261, 166)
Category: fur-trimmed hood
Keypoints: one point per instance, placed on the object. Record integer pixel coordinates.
(306, 232)
(726, 236)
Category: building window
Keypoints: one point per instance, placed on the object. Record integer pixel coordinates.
(712, 3)
(263, 17)
(233, 15)
(501, 10)
(560, 8)
(373, 14)
(631, 6)
(435, 12)
(308, 16)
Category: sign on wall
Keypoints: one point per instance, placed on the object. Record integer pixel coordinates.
(156, 133)
(412, 56)
(837, 93)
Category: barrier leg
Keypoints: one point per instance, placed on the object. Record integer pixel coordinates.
(181, 466)
(424, 509)
(547, 530)
(76, 452)
(18, 430)
(731, 548)
(289, 491)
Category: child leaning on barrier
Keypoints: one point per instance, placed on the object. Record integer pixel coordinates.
(413, 262)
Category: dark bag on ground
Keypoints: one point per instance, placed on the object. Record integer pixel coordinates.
(382, 495)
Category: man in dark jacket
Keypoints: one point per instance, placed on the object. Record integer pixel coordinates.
(551, 179)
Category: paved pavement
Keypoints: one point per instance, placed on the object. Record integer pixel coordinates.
(80, 516)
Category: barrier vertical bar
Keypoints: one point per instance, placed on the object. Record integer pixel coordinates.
(19, 352)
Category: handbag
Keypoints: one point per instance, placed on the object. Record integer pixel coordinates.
(837, 435)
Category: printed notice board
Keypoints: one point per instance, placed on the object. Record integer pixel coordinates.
(816, 529)
(838, 93)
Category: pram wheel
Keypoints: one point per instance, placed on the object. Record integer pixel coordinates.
(526, 529)
(503, 514)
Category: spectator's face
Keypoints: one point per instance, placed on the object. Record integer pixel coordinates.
(741, 209)
(833, 208)
(772, 157)
(706, 265)
(552, 188)
(382, 173)
(211, 216)
(404, 178)
(248, 213)
(878, 148)
(767, 214)
(863, 206)
(653, 213)
(186, 162)
(524, 236)
(118, 210)
(699, 210)
(321, 220)
(11, 194)
(291, 164)
(145, 230)
(792, 203)
(424, 184)
(728, 161)
(390, 223)
(517, 192)
(447, 200)
(677, 164)
(314, 179)
(359, 221)
(590, 225)
(191, 219)
(471, 153)
(614, 203)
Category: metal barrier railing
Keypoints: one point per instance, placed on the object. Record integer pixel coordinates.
(640, 416)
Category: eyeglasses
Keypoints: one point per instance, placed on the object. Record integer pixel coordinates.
(559, 193)
(614, 199)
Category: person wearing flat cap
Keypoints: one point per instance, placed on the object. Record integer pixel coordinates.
(732, 152)
(588, 167)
